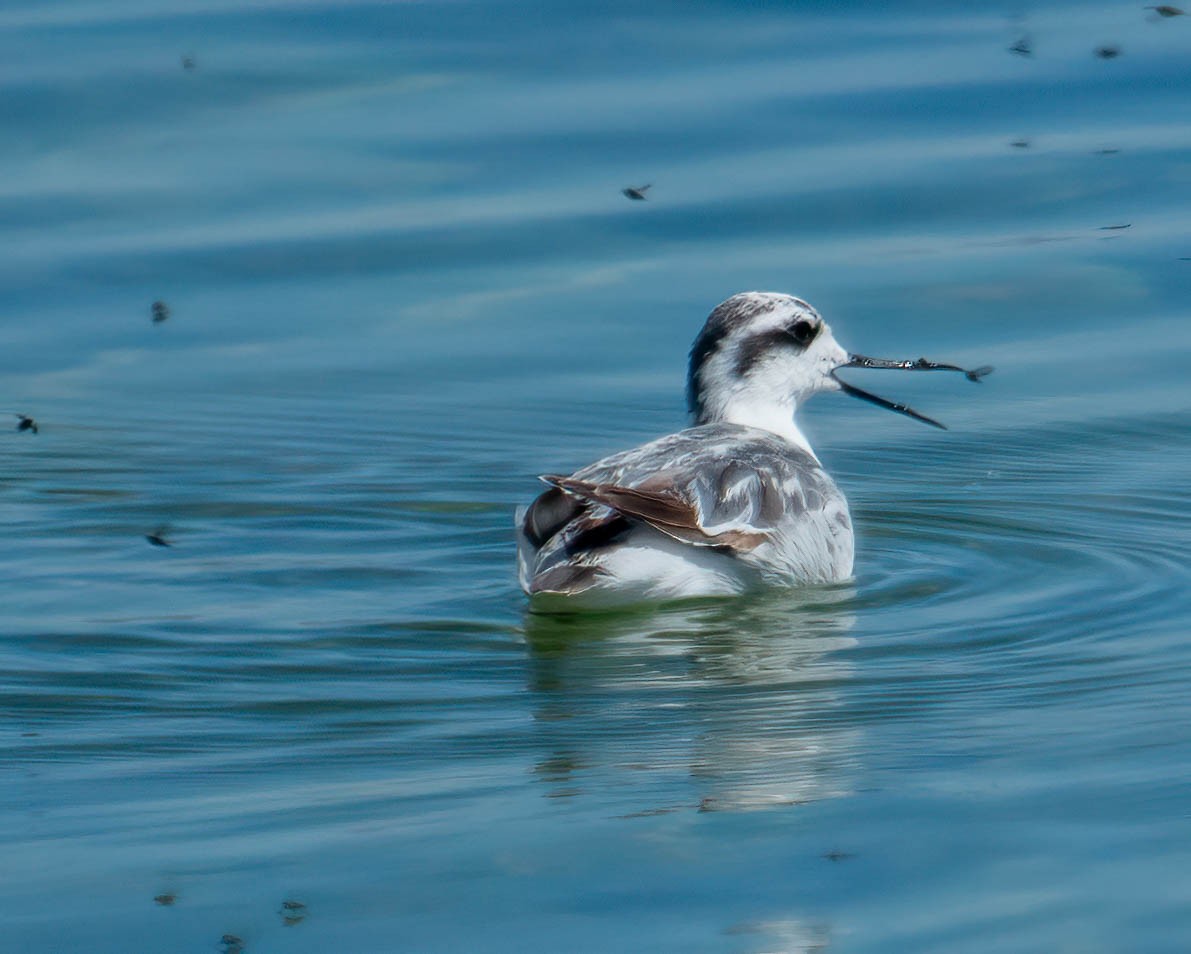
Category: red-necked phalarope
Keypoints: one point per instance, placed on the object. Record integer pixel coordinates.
(737, 500)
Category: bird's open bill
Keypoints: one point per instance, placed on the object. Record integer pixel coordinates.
(863, 361)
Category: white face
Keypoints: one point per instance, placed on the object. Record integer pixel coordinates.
(765, 348)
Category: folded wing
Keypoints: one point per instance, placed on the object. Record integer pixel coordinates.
(718, 485)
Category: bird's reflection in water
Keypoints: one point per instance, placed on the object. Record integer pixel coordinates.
(710, 705)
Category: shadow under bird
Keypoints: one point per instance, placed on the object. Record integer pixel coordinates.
(736, 501)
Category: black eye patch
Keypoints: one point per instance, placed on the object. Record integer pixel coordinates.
(802, 332)
(799, 335)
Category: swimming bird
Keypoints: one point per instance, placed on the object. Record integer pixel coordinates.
(735, 501)
(26, 423)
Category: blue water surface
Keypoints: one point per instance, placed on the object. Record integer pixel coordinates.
(402, 282)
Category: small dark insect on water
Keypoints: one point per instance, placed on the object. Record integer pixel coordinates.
(158, 538)
(637, 192)
(26, 423)
(1166, 11)
(1022, 47)
(1108, 52)
(292, 913)
(160, 311)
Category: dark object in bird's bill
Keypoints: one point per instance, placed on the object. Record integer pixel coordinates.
(1108, 52)
(637, 193)
(161, 311)
(26, 423)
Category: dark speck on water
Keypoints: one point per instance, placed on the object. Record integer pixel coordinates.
(26, 423)
(188, 63)
(1166, 11)
(1115, 228)
(1020, 144)
(165, 900)
(292, 913)
(1108, 52)
(1023, 47)
(636, 192)
(158, 538)
(160, 312)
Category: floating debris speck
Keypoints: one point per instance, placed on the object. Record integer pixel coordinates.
(292, 913)
(158, 538)
(1023, 47)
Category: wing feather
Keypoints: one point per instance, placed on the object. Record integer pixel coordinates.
(717, 485)
(738, 490)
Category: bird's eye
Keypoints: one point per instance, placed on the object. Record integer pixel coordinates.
(803, 332)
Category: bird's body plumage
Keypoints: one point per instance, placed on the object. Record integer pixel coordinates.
(711, 510)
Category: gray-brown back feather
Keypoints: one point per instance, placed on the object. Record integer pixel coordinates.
(715, 485)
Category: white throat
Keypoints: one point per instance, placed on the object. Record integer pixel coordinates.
(768, 415)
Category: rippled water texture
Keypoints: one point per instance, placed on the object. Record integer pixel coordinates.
(402, 280)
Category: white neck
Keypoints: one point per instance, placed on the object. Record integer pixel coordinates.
(768, 415)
